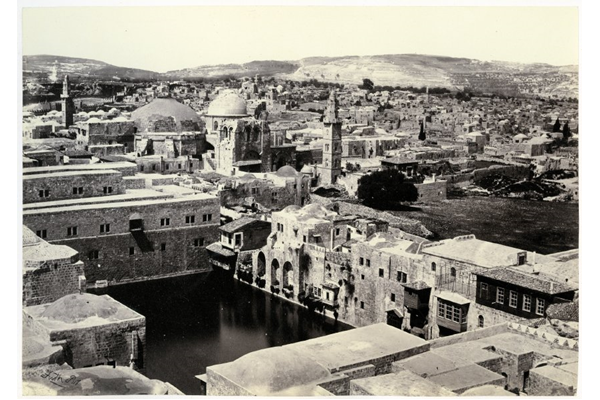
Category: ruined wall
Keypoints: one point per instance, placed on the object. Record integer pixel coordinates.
(50, 281)
(265, 193)
(432, 191)
(112, 132)
(61, 186)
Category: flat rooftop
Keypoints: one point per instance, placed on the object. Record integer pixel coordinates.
(130, 195)
(78, 167)
(474, 251)
(108, 205)
(404, 383)
(467, 377)
(357, 346)
(60, 174)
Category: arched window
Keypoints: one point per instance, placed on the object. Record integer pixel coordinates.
(215, 126)
(433, 266)
(453, 272)
(481, 321)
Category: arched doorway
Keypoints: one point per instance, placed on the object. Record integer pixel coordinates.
(288, 274)
(261, 265)
(274, 272)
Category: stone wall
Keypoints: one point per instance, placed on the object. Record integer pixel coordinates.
(114, 261)
(432, 191)
(50, 281)
(541, 385)
(61, 186)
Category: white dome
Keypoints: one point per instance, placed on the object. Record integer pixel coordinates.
(228, 104)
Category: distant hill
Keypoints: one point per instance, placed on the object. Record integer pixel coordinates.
(82, 67)
(384, 70)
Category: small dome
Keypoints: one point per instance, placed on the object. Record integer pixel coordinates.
(94, 119)
(247, 177)
(228, 104)
(315, 211)
(287, 172)
(307, 169)
(74, 308)
(292, 208)
(273, 370)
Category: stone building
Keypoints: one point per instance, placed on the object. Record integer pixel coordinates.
(169, 137)
(105, 137)
(272, 191)
(244, 143)
(93, 330)
(125, 227)
(49, 271)
(379, 360)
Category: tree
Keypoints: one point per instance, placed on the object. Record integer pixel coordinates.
(566, 132)
(556, 127)
(367, 84)
(422, 133)
(385, 189)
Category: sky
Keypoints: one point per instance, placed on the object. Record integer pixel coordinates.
(169, 38)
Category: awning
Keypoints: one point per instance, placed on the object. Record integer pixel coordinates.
(218, 249)
(453, 298)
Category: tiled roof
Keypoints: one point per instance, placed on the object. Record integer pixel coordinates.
(530, 281)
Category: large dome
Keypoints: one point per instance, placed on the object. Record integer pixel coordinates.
(228, 104)
(183, 117)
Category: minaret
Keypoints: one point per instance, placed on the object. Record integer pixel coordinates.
(331, 167)
(68, 107)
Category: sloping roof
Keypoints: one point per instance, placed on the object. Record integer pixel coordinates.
(530, 281)
(452, 297)
(238, 224)
(218, 249)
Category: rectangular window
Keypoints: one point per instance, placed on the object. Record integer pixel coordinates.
(165, 221)
(526, 302)
(131, 251)
(44, 193)
(199, 242)
(362, 305)
(163, 246)
(381, 272)
(540, 306)
(141, 168)
(72, 231)
(41, 233)
(238, 239)
(484, 290)
(166, 166)
(107, 189)
(368, 262)
(304, 238)
(104, 228)
(393, 297)
(441, 309)
(456, 314)
(361, 261)
(401, 276)
(190, 219)
(500, 295)
(78, 190)
(337, 231)
(93, 255)
(512, 300)
(206, 217)
(449, 311)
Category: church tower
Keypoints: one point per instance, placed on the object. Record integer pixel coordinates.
(68, 107)
(331, 167)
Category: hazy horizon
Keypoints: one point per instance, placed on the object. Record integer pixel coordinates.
(163, 39)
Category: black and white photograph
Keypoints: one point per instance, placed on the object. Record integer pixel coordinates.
(299, 200)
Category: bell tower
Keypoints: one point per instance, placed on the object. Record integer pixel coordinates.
(331, 167)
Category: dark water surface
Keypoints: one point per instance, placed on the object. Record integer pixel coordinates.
(204, 319)
(541, 226)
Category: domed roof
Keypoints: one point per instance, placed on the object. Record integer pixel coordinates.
(291, 208)
(307, 169)
(228, 104)
(74, 308)
(315, 211)
(248, 177)
(287, 172)
(163, 108)
(273, 370)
